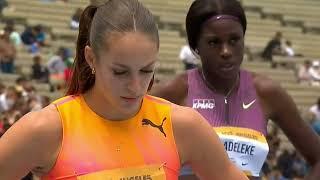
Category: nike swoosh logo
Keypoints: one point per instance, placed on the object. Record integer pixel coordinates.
(244, 164)
(247, 106)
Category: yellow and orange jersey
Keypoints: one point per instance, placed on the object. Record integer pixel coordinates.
(142, 147)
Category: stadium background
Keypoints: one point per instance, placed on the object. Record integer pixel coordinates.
(297, 20)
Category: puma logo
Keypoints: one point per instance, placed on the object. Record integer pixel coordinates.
(160, 127)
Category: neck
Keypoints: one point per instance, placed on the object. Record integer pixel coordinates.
(220, 85)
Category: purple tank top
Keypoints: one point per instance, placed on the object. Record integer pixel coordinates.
(242, 110)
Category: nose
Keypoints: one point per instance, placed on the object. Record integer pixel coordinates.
(225, 52)
(134, 85)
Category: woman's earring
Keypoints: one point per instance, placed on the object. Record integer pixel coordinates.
(93, 71)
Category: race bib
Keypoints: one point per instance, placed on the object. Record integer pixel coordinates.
(246, 148)
(153, 172)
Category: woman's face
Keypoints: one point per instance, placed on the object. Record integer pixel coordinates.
(221, 47)
(125, 69)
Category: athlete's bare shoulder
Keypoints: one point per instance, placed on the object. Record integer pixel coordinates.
(184, 115)
(30, 143)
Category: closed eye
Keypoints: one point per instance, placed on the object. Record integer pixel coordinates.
(119, 72)
(146, 71)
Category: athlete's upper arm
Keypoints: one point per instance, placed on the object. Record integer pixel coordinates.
(287, 116)
(174, 91)
(28, 144)
(200, 147)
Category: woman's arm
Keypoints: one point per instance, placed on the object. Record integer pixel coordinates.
(174, 91)
(285, 113)
(199, 146)
(30, 143)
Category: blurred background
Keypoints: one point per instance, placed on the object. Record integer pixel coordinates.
(37, 48)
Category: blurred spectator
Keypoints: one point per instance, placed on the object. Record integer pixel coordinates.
(303, 72)
(21, 83)
(97, 2)
(288, 50)
(29, 39)
(40, 35)
(68, 73)
(29, 89)
(285, 162)
(13, 105)
(68, 60)
(7, 53)
(55, 1)
(45, 101)
(8, 99)
(75, 19)
(28, 36)
(188, 58)
(56, 65)
(314, 72)
(299, 165)
(275, 174)
(3, 4)
(2, 88)
(40, 73)
(273, 142)
(273, 47)
(315, 120)
(1, 127)
(2, 92)
(25, 88)
(13, 34)
(34, 103)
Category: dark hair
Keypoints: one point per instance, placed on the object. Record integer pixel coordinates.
(9, 29)
(97, 23)
(307, 62)
(318, 103)
(38, 28)
(36, 58)
(288, 43)
(10, 22)
(201, 10)
(21, 79)
(2, 86)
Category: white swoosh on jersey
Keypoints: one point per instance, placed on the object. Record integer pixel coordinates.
(247, 106)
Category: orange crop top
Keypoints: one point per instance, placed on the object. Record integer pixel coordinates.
(139, 148)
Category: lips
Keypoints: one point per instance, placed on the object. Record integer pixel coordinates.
(130, 99)
(227, 67)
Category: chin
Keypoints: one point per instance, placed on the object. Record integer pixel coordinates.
(130, 111)
(129, 107)
(229, 75)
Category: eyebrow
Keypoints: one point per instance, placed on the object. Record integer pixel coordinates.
(211, 35)
(125, 66)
